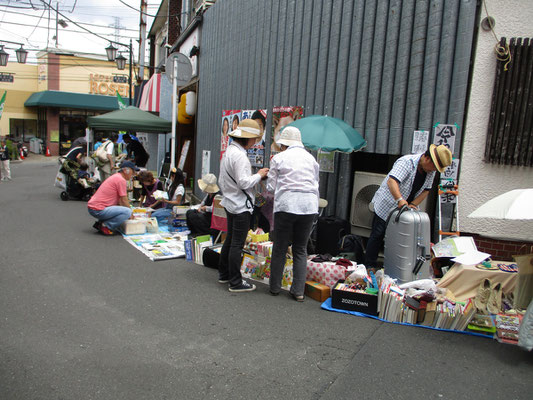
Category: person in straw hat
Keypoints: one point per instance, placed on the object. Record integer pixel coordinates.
(408, 183)
(293, 177)
(199, 220)
(237, 183)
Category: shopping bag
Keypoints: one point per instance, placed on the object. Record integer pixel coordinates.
(60, 181)
(523, 293)
(152, 226)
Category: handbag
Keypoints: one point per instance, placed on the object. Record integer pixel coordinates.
(101, 152)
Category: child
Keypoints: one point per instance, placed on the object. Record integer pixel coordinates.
(176, 193)
(84, 177)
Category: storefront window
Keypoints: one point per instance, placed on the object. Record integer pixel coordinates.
(22, 129)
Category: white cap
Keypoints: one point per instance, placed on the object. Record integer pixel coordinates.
(290, 136)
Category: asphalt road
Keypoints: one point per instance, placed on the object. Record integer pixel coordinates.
(85, 316)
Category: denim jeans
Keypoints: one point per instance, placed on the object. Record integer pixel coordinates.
(162, 215)
(229, 267)
(375, 241)
(112, 216)
(296, 229)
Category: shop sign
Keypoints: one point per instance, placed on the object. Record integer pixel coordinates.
(106, 85)
(6, 77)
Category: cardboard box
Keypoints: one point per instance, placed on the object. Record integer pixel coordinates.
(352, 301)
(317, 291)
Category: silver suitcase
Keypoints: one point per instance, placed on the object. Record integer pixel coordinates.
(407, 245)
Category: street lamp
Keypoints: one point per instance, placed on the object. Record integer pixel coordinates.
(3, 56)
(121, 60)
(22, 54)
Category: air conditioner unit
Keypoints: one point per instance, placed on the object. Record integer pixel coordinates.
(365, 184)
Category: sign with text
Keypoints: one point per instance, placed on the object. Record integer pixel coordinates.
(445, 134)
(420, 142)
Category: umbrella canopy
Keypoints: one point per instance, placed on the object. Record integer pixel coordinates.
(130, 119)
(516, 204)
(320, 132)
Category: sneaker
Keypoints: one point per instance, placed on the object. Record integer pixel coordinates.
(104, 230)
(97, 225)
(243, 287)
(273, 293)
(223, 281)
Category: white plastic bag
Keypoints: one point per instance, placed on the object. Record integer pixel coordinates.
(525, 335)
(60, 181)
(152, 226)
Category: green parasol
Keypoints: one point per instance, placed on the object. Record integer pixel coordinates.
(320, 132)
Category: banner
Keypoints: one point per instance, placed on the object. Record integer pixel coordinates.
(121, 103)
(2, 103)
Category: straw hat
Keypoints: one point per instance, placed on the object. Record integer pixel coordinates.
(441, 156)
(208, 183)
(247, 128)
(290, 136)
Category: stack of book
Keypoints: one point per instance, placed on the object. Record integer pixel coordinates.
(194, 248)
(395, 306)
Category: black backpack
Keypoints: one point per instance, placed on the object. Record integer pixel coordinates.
(353, 248)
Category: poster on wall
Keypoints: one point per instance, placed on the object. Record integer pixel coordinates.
(326, 161)
(257, 153)
(230, 118)
(282, 116)
(445, 134)
(447, 180)
(420, 142)
(230, 121)
(206, 167)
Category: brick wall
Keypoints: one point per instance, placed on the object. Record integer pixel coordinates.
(500, 250)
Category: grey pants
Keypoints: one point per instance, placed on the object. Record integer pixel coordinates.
(296, 229)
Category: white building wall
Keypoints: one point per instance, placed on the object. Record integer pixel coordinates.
(480, 182)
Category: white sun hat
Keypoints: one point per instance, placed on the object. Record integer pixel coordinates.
(208, 183)
(248, 128)
(290, 136)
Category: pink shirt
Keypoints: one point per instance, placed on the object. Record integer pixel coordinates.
(108, 193)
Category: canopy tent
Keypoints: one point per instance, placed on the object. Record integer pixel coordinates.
(130, 119)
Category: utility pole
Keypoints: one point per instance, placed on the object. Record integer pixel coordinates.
(57, 20)
(142, 38)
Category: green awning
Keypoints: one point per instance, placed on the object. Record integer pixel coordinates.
(130, 119)
(54, 98)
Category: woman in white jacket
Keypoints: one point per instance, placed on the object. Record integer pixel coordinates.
(293, 177)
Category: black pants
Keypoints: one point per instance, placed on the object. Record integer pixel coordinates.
(231, 253)
(296, 229)
(375, 241)
(199, 223)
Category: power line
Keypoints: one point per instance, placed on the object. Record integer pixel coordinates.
(82, 23)
(70, 30)
(79, 26)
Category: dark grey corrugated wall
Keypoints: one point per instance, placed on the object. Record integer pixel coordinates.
(387, 67)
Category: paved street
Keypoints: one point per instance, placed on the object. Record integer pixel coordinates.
(85, 316)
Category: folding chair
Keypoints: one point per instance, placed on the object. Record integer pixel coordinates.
(219, 219)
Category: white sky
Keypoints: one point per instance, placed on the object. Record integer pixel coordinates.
(36, 27)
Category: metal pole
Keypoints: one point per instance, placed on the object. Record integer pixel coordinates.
(57, 38)
(131, 62)
(174, 90)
